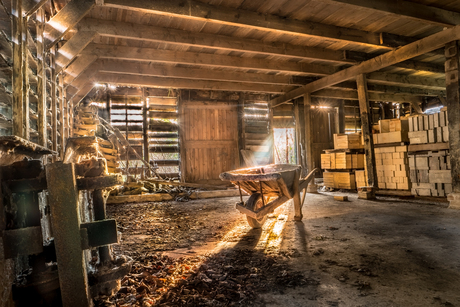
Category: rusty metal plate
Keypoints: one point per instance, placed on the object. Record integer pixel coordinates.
(23, 241)
(101, 233)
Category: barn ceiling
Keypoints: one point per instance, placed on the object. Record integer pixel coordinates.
(274, 46)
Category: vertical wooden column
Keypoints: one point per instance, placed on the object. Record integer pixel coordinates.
(308, 132)
(54, 131)
(271, 158)
(341, 116)
(241, 128)
(367, 135)
(452, 67)
(18, 63)
(182, 151)
(145, 124)
(62, 115)
(25, 76)
(298, 133)
(65, 219)
(41, 80)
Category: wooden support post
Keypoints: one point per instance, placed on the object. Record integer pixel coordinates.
(298, 133)
(241, 133)
(452, 52)
(41, 80)
(145, 127)
(341, 116)
(25, 76)
(296, 197)
(181, 125)
(271, 158)
(367, 135)
(65, 219)
(18, 63)
(309, 162)
(61, 117)
(99, 202)
(53, 100)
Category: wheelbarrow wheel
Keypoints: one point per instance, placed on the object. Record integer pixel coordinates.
(254, 203)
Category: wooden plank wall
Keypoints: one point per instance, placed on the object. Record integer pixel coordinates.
(210, 140)
(323, 128)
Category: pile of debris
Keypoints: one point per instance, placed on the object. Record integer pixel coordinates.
(229, 278)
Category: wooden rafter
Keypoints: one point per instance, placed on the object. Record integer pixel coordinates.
(252, 20)
(409, 9)
(202, 59)
(68, 17)
(409, 51)
(72, 48)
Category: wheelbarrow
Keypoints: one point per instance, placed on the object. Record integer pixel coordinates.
(269, 187)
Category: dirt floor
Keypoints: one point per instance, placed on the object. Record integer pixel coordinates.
(389, 252)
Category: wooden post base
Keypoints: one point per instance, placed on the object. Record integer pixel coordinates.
(454, 201)
(366, 193)
(312, 188)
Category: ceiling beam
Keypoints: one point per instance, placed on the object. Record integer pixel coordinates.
(79, 65)
(31, 6)
(155, 70)
(72, 48)
(253, 20)
(413, 10)
(204, 59)
(353, 95)
(148, 81)
(405, 80)
(65, 19)
(222, 42)
(409, 51)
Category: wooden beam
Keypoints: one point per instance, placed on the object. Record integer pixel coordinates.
(353, 95)
(68, 17)
(134, 80)
(79, 65)
(202, 59)
(412, 10)
(156, 70)
(405, 80)
(223, 42)
(308, 132)
(145, 127)
(31, 6)
(409, 51)
(18, 63)
(25, 76)
(206, 40)
(54, 118)
(249, 20)
(41, 81)
(453, 106)
(72, 48)
(84, 91)
(366, 130)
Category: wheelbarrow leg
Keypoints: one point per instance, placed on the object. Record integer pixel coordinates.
(297, 202)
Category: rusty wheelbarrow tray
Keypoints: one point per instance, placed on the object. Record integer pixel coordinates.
(269, 187)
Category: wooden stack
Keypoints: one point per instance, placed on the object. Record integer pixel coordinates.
(429, 158)
(85, 121)
(392, 167)
(341, 162)
(392, 131)
(391, 158)
(430, 173)
(432, 128)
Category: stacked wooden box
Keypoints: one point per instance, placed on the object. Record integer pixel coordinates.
(431, 128)
(85, 121)
(110, 153)
(392, 167)
(392, 131)
(341, 162)
(392, 164)
(429, 158)
(430, 173)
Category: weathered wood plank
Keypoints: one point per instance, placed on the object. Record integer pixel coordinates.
(72, 48)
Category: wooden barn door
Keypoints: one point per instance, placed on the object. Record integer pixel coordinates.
(209, 136)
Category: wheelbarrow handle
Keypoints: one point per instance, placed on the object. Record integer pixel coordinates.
(303, 182)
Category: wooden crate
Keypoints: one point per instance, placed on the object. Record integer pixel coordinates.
(392, 165)
(391, 137)
(393, 125)
(339, 180)
(361, 179)
(348, 141)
